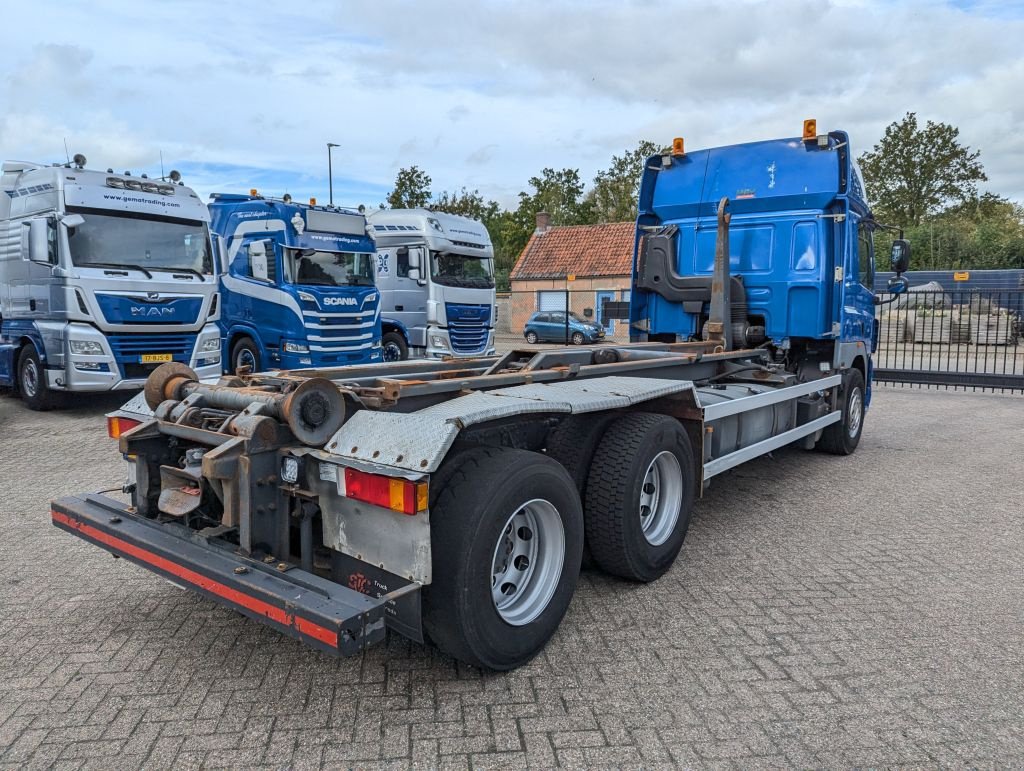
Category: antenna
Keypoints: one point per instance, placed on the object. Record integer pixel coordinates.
(66, 153)
(162, 175)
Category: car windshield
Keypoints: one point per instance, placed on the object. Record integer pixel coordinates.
(115, 239)
(317, 268)
(461, 270)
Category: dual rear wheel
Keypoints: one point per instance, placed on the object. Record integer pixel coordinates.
(507, 532)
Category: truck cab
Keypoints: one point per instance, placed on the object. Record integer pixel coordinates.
(298, 284)
(435, 272)
(800, 265)
(103, 276)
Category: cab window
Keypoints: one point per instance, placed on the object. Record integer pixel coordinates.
(402, 263)
(865, 265)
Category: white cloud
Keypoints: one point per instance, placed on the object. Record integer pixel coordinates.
(485, 94)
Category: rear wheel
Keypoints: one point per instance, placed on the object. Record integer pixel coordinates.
(245, 353)
(394, 347)
(573, 443)
(32, 381)
(506, 535)
(531, 337)
(842, 438)
(640, 496)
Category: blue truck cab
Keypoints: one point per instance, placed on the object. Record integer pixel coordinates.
(800, 266)
(297, 286)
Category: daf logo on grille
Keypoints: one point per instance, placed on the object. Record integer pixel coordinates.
(152, 295)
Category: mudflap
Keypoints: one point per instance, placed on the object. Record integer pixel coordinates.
(402, 609)
(314, 610)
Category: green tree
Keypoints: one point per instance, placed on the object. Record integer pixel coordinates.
(613, 198)
(412, 189)
(466, 203)
(915, 172)
(560, 194)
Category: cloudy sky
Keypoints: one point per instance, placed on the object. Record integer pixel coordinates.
(485, 94)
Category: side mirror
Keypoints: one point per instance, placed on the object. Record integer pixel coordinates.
(416, 269)
(71, 221)
(38, 241)
(899, 259)
(898, 285)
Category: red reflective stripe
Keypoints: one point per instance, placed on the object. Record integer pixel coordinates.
(306, 627)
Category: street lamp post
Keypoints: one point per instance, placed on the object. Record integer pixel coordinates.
(330, 173)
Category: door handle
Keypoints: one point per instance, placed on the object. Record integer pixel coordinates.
(399, 307)
(32, 305)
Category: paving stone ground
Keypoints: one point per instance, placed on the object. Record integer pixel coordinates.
(825, 611)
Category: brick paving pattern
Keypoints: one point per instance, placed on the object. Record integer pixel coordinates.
(824, 612)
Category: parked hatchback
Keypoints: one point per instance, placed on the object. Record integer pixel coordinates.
(549, 326)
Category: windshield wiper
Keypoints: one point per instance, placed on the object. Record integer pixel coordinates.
(116, 266)
(184, 270)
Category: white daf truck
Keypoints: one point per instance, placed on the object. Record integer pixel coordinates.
(103, 277)
(435, 273)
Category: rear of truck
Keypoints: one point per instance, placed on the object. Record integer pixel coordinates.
(457, 499)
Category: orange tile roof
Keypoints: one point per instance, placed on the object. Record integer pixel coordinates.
(586, 250)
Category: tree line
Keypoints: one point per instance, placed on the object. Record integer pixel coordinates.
(920, 178)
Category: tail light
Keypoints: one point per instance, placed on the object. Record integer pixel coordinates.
(399, 495)
(117, 426)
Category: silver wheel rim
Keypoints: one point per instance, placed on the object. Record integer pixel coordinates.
(578, 339)
(856, 409)
(661, 497)
(246, 358)
(30, 378)
(531, 338)
(527, 562)
(392, 352)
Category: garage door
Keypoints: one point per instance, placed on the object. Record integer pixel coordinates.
(551, 301)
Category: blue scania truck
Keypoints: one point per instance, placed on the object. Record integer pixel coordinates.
(456, 498)
(297, 284)
(103, 276)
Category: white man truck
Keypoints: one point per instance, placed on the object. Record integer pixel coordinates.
(435, 273)
(103, 277)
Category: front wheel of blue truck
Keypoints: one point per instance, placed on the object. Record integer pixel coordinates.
(506, 536)
(843, 437)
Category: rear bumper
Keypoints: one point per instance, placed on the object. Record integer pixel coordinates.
(314, 610)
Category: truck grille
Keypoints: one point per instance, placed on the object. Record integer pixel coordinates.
(468, 327)
(129, 348)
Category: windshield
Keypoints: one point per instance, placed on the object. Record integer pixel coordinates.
(115, 239)
(309, 267)
(461, 270)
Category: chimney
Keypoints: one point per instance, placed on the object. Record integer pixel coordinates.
(543, 222)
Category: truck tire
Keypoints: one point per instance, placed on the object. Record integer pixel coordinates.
(394, 347)
(842, 438)
(32, 381)
(640, 496)
(245, 352)
(573, 443)
(506, 535)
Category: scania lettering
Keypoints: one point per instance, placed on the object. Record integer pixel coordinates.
(103, 276)
(435, 273)
(298, 287)
(454, 499)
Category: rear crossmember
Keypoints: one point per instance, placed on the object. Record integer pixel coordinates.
(318, 612)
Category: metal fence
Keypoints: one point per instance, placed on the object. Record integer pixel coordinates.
(967, 339)
(930, 337)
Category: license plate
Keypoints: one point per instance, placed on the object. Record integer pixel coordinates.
(154, 358)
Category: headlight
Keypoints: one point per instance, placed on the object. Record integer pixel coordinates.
(212, 344)
(307, 297)
(439, 342)
(290, 347)
(87, 347)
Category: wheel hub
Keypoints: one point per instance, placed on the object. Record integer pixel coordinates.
(661, 496)
(527, 562)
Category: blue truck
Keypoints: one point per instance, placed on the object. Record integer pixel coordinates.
(458, 498)
(103, 276)
(297, 284)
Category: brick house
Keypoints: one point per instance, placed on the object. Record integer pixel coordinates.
(601, 258)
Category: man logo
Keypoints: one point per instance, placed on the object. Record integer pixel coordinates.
(141, 310)
(152, 295)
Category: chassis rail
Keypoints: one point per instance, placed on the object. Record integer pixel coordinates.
(318, 612)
